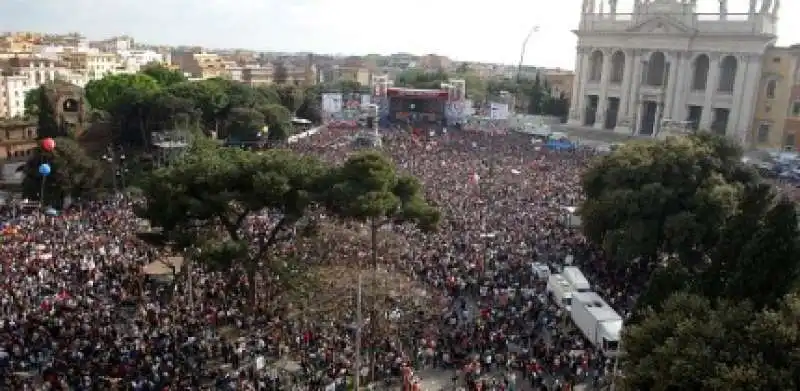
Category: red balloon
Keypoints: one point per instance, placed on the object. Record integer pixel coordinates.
(48, 144)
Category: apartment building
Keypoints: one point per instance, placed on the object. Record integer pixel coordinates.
(434, 61)
(114, 44)
(348, 72)
(94, 64)
(258, 75)
(17, 139)
(133, 60)
(775, 121)
(295, 73)
(38, 71)
(200, 65)
(12, 96)
(559, 81)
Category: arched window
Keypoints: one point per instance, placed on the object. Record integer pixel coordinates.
(727, 74)
(656, 69)
(617, 67)
(772, 85)
(596, 66)
(700, 76)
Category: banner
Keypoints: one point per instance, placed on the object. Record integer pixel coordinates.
(366, 99)
(332, 103)
(498, 110)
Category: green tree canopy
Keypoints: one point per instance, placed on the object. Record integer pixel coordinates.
(278, 119)
(127, 99)
(652, 198)
(33, 102)
(244, 124)
(695, 344)
(688, 210)
(208, 97)
(73, 173)
(163, 75)
(215, 186)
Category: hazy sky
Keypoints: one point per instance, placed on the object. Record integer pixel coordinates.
(490, 31)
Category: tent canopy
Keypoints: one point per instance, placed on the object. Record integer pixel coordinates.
(164, 267)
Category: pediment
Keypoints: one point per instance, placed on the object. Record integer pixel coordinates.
(660, 25)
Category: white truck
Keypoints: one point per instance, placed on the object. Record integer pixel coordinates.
(559, 290)
(598, 322)
(575, 277)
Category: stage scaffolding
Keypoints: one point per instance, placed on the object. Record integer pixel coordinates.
(168, 145)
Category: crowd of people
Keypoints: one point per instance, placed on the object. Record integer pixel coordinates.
(79, 313)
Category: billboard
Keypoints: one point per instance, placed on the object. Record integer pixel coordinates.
(498, 110)
(332, 103)
(366, 99)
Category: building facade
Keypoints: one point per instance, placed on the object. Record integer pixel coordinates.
(38, 71)
(666, 62)
(791, 127)
(776, 103)
(17, 139)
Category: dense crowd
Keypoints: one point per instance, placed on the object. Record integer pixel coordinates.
(78, 313)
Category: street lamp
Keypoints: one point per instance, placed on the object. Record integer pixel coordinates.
(533, 29)
(117, 162)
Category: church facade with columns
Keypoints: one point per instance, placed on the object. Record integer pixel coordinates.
(664, 63)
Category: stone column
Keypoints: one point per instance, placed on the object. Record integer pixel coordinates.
(681, 86)
(602, 103)
(576, 84)
(712, 83)
(636, 121)
(750, 89)
(672, 82)
(630, 93)
(657, 122)
(734, 126)
(625, 90)
(578, 97)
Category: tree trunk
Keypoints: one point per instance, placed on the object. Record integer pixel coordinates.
(374, 242)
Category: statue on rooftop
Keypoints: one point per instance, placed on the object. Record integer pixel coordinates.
(723, 7)
(612, 7)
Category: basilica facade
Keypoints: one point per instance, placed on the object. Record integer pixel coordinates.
(665, 63)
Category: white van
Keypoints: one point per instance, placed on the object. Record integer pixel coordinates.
(575, 277)
(560, 291)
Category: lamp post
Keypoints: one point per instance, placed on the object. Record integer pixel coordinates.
(116, 159)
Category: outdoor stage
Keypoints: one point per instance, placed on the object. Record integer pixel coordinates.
(416, 105)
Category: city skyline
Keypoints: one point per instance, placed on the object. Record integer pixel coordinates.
(481, 34)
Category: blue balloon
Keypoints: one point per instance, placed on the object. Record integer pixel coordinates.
(44, 169)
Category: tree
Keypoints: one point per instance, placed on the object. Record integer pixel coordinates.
(281, 74)
(696, 344)
(757, 259)
(311, 108)
(73, 173)
(291, 97)
(693, 218)
(278, 119)
(368, 188)
(244, 124)
(650, 198)
(163, 75)
(126, 98)
(415, 78)
(667, 205)
(209, 97)
(33, 102)
(215, 187)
